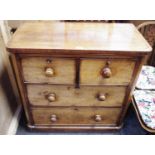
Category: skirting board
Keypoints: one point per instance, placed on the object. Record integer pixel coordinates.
(15, 121)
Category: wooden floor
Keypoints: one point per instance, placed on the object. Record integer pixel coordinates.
(131, 127)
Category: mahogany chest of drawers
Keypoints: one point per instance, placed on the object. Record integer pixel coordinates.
(76, 76)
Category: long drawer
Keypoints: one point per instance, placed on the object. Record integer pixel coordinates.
(75, 116)
(56, 95)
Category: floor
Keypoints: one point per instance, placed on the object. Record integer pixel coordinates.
(131, 127)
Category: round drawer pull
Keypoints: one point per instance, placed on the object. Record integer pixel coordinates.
(53, 118)
(49, 71)
(51, 97)
(106, 72)
(98, 118)
(101, 97)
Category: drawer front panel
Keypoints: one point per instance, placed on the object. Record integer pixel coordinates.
(43, 70)
(51, 95)
(112, 72)
(72, 116)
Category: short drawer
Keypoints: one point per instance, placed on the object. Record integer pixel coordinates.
(46, 70)
(56, 95)
(106, 72)
(73, 116)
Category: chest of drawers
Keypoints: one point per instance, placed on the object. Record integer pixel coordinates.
(76, 76)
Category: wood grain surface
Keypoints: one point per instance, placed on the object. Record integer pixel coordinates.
(34, 70)
(79, 116)
(79, 36)
(70, 96)
(121, 69)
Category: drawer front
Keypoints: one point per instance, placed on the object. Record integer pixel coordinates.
(51, 95)
(100, 72)
(44, 70)
(73, 116)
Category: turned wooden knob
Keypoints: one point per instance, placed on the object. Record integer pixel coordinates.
(106, 72)
(98, 118)
(53, 118)
(49, 71)
(51, 97)
(101, 97)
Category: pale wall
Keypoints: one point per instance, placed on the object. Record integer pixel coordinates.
(7, 100)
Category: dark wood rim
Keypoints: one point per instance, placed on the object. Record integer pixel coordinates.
(76, 128)
(129, 90)
(75, 52)
(19, 67)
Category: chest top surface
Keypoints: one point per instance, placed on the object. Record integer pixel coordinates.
(79, 36)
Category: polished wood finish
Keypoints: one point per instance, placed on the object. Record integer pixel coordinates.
(106, 72)
(49, 70)
(98, 118)
(79, 36)
(51, 97)
(102, 96)
(53, 118)
(77, 76)
(70, 96)
(74, 116)
(121, 71)
(16, 67)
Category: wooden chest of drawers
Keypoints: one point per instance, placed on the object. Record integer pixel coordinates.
(75, 76)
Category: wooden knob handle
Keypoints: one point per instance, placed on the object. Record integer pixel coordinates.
(101, 97)
(49, 71)
(106, 72)
(53, 118)
(98, 118)
(51, 97)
